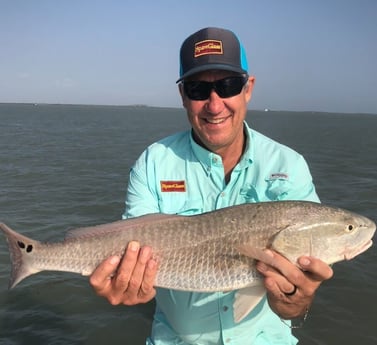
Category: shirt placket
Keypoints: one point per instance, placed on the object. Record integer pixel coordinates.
(216, 170)
(225, 300)
(226, 318)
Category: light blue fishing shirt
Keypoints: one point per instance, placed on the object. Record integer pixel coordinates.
(177, 176)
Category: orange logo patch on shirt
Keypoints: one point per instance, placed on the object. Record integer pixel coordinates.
(173, 186)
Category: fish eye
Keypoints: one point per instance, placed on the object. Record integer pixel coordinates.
(350, 228)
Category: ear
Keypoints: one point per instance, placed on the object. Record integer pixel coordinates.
(249, 88)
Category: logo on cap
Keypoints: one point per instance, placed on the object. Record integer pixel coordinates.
(208, 47)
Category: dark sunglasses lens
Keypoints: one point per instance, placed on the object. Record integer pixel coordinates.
(201, 90)
(197, 90)
(229, 87)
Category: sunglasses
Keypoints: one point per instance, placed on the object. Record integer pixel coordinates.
(225, 88)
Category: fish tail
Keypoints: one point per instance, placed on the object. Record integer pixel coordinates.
(20, 249)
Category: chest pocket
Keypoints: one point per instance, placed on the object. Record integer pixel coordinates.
(249, 193)
(277, 188)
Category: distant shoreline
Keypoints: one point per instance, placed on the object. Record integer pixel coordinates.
(141, 106)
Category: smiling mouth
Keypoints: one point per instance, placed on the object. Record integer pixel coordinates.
(216, 121)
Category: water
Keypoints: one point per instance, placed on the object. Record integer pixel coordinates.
(67, 166)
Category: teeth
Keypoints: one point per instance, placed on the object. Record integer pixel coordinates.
(215, 121)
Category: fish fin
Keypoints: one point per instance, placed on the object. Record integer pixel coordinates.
(120, 225)
(246, 300)
(20, 247)
(255, 253)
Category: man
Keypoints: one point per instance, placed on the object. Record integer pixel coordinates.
(218, 163)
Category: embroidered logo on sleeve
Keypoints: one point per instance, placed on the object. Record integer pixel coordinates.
(173, 186)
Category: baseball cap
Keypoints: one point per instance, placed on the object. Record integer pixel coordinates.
(212, 48)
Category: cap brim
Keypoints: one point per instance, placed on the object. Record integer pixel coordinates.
(211, 67)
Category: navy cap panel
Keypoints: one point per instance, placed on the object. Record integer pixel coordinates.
(212, 48)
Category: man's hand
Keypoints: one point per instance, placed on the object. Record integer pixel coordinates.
(128, 280)
(291, 290)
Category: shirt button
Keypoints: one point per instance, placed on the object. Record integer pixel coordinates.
(225, 308)
(227, 340)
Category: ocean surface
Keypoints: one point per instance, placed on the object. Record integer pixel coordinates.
(65, 166)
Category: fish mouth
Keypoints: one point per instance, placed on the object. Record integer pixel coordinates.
(350, 255)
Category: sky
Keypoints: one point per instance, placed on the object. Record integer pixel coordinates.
(306, 55)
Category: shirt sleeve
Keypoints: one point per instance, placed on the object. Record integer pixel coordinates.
(141, 197)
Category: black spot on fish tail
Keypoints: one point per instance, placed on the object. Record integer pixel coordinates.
(20, 248)
(22, 245)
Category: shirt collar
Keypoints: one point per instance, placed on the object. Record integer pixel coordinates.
(208, 158)
(248, 156)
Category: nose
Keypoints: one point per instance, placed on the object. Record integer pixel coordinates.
(214, 104)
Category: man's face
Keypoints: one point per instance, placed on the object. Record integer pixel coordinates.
(218, 122)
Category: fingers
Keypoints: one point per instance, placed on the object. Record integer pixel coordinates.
(132, 272)
(130, 267)
(147, 290)
(129, 280)
(311, 270)
(278, 285)
(100, 278)
(318, 270)
(290, 288)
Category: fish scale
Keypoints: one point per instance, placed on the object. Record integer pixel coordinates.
(215, 251)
